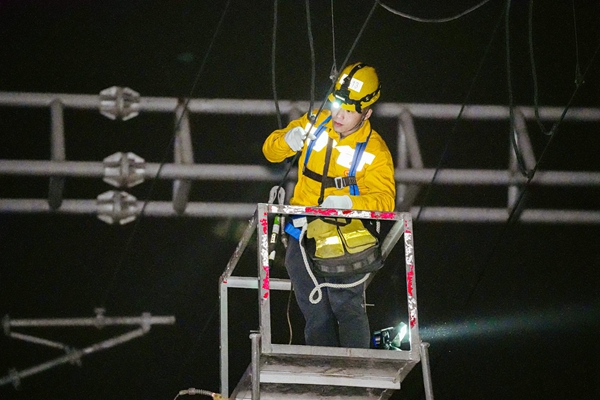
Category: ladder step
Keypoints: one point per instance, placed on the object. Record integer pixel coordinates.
(319, 370)
(292, 376)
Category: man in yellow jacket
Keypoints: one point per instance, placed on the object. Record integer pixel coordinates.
(359, 175)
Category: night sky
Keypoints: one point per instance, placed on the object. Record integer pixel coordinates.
(511, 311)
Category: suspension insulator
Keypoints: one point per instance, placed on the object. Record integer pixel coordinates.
(117, 207)
(120, 103)
(124, 170)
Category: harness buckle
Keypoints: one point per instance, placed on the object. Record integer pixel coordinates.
(339, 182)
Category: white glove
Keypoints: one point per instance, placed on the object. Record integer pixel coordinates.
(344, 202)
(295, 138)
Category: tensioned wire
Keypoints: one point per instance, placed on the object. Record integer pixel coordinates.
(273, 69)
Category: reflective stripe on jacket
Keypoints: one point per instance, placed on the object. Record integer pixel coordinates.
(374, 174)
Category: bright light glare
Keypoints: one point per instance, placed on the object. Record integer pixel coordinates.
(542, 320)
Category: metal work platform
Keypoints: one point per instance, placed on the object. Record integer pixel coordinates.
(308, 372)
(292, 371)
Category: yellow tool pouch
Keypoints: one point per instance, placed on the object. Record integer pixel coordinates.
(342, 247)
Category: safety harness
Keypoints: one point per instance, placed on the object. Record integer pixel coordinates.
(327, 181)
(299, 230)
(339, 182)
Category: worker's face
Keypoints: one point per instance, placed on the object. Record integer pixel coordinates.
(346, 122)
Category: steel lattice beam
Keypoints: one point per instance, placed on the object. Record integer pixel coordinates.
(411, 174)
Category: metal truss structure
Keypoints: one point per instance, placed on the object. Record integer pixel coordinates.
(72, 354)
(124, 170)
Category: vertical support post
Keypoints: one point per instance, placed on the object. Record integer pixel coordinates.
(224, 337)
(255, 360)
(411, 284)
(426, 371)
(57, 143)
(264, 290)
(183, 154)
(408, 153)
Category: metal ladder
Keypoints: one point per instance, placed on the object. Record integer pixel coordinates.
(279, 371)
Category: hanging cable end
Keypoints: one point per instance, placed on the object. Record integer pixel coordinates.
(334, 73)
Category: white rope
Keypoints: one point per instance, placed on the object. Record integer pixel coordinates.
(317, 291)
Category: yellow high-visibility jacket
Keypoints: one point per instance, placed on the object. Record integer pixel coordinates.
(374, 174)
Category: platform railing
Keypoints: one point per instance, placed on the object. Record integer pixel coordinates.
(265, 284)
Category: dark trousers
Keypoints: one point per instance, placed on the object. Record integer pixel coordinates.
(340, 318)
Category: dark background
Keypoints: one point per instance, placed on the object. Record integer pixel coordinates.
(511, 312)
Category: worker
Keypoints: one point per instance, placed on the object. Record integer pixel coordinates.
(340, 144)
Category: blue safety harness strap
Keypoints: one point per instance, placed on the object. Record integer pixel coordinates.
(318, 132)
(358, 152)
(340, 182)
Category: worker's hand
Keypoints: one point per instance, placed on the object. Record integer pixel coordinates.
(295, 138)
(344, 202)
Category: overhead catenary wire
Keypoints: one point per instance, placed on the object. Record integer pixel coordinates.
(311, 44)
(433, 20)
(578, 75)
(458, 118)
(516, 209)
(536, 106)
(513, 216)
(273, 64)
(579, 80)
(334, 69)
(562, 116)
(528, 174)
